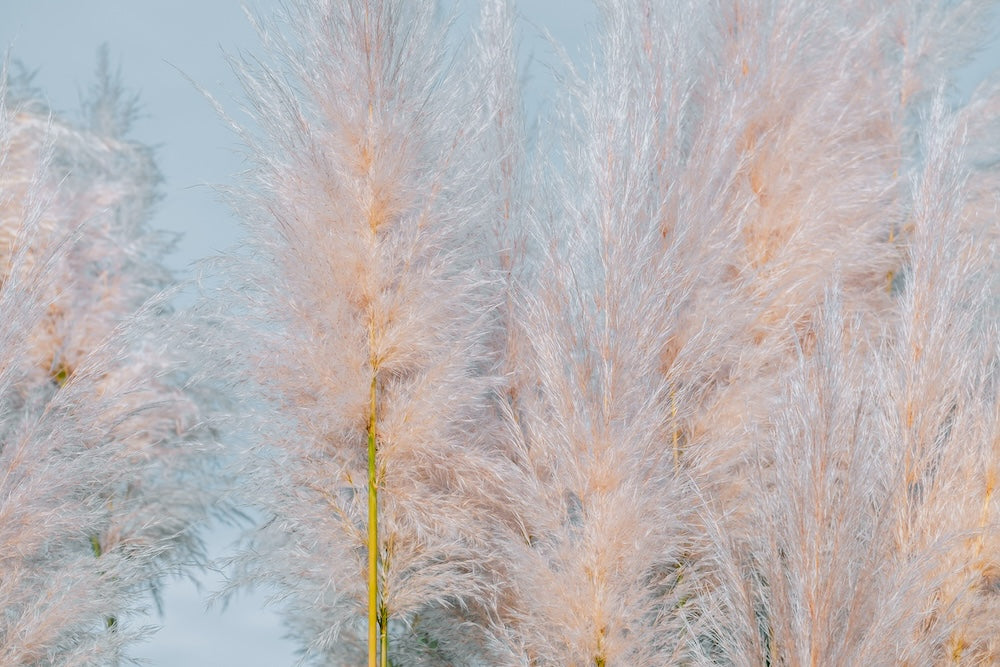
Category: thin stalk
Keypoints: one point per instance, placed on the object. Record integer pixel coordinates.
(374, 619)
(383, 611)
(383, 624)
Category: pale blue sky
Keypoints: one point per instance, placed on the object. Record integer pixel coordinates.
(155, 40)
(152, 40)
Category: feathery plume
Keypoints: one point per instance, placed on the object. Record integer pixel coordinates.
(94, 458)
(363, 310)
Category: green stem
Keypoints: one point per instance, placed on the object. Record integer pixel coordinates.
(383, 624)
(373, 596)
(383, 611)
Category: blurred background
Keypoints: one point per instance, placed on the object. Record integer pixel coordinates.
(162, 47)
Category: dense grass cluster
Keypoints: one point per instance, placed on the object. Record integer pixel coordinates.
(98, 433)
(705, 371)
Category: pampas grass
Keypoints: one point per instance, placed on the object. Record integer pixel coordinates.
(703, 374)
(657, 391)
(364, 309)
(97, 435)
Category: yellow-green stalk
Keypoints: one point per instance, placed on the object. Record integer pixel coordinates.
(373, 596)
(383, 624)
